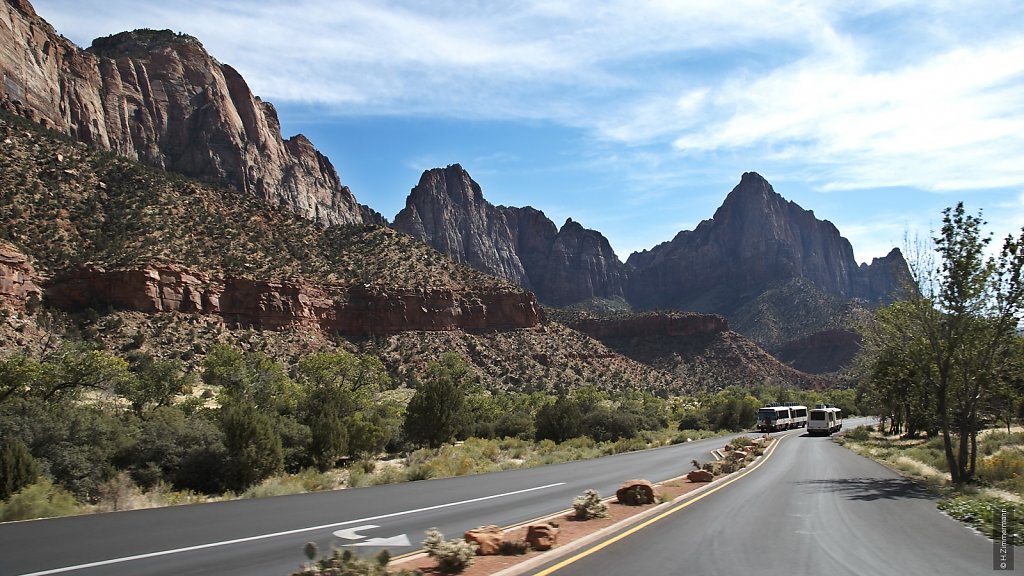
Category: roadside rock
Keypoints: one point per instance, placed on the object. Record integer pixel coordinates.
(487, 538)
(635, 492)
(542, 536)
(700, 476)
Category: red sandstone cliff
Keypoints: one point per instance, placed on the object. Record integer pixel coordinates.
(333, 308)
(17, 279)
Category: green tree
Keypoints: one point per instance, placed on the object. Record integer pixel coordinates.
(17, 467)
(19, 374)
(251, 377)
(340, 406)
(253, 445)
(966, 311)
(156, 382)
(435, 411)
(559, 421)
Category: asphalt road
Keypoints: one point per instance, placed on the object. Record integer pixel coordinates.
(812, 508)
(266, 536)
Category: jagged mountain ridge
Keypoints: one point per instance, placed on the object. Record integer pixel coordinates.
(564, 266)
(756, 240)
(776, 272)
(159, 98)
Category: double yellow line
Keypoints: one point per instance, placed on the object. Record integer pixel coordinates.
(663, 515)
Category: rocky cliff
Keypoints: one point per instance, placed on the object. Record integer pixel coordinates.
(17, 279)
(755, 241)
(448, 211)
(160, 98)
(333, 308)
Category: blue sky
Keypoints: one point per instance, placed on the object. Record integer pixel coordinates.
(637, 118)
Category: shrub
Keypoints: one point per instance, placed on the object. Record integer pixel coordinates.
(589, 505)
(451, 555)
(859, 434)
(345, 563)
(17, 468)
(39, 500)
(980, 512)
(1006, 464)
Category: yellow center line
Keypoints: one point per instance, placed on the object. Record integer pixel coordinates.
(661, 516)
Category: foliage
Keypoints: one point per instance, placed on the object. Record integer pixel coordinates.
(39, 500)
(345, 563)
(951, 341)
(435, 412)
(559, 421)
(249, 377)
(451, 555)
(589, 505)
(17, 467)
(253, 445)
(981, 512)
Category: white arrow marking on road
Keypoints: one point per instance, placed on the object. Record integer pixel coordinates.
(400, 540)
(350, 533)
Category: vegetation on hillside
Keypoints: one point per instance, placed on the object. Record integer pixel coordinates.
(66, 205)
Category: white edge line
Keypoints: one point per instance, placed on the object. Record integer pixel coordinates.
(277, 534)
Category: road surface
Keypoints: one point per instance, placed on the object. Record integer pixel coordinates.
(812, 508)
(266, 536)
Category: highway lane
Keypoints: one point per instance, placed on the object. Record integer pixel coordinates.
(266, 536)
(812, 508)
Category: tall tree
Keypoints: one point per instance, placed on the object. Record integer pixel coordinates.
(435, 411)
(967, 312)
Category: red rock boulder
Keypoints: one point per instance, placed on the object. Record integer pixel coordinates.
(542, 536)
(487, 538)
(700, 476)
(635, 492)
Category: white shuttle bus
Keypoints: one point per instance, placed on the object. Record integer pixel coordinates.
(797, 414)
(824, 420)
(772, 418)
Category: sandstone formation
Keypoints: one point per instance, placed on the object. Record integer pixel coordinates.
(17, 279)
(699, 349)
(160, 98)
(542, 536)
(448, 211)
(635, 492)
(333, 308)
(700, 476)
(487, 538)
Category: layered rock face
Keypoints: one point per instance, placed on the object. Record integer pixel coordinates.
(755, 241)
(17, 279)
(160, 98)
(448, 211)
(334, 308)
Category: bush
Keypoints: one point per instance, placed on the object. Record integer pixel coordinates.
(980, 512)
(39, 500)
(1006, 464)
(17, 467)
(859, 434)
(589, 505)
(451, 555)
(345, 563)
